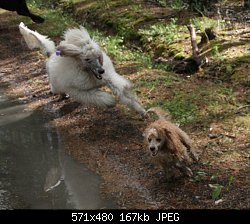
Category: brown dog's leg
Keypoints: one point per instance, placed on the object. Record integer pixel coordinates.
(188, 144)
(184, 169)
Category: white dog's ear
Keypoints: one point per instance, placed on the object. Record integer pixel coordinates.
(66, 49)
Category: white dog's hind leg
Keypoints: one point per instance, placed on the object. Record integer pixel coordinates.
(92, 97)
(53, 89)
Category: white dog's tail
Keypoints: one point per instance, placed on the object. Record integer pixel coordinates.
(34, 40)
(163, 115)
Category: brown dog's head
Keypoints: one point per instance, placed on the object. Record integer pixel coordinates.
(161, 136)
(154, 139)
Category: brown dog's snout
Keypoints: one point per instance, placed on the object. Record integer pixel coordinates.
(152, 148)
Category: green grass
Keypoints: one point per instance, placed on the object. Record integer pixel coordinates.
(56, 22)
(163, 39)
(177, 4)
(220, 104)
(185, 111)
(203, 104)
(123, 17)
(216, 190)
(161, 32)
(154, 82)
(114, 46)
(182, 107)
(161, 3)
(243, 120)
(203, 23)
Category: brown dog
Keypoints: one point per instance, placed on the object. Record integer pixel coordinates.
(169, 146)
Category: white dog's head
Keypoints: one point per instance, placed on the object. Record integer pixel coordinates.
(78, 44)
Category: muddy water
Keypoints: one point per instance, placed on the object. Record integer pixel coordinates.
(35, 172)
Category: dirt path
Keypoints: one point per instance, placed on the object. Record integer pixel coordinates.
(109, 142)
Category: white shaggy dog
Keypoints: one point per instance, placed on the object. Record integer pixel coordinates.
(78, 67)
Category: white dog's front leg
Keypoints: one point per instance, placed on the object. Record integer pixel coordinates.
(130, 100)
(92, 97)
(121, 88)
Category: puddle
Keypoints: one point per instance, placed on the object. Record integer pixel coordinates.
(35, 173)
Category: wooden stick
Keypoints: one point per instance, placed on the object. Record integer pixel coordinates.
(195, 48)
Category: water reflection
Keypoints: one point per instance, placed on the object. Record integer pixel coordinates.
(35, 172)
(53, 179)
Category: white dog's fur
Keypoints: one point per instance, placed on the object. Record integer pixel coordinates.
(82, 69)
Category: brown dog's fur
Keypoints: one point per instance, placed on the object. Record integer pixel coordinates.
(169, 146)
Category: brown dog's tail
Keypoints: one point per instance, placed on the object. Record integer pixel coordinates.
(162, 115)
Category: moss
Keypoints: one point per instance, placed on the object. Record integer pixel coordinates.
(176, 50)
(243, 59)
(242, 74)
(244, 120)
(124, 17)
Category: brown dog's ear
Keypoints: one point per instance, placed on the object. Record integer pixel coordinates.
(66, 49)
(167, 134)
(172, 140)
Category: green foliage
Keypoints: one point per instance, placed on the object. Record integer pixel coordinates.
(230, 182)
(41, 4)
(55, 23)
(229, 69)
(163, 66)
(216, 193)
(203, 23)
(177, 4)
(161, 40)
(216, 52)
(217, 188)
(199, 176)
(162, 3)
(183, 108)
(200, 5)
(161, 32)
(122, 16)
(219, 101)
(115, 47)
(124, 27)
(165, 80)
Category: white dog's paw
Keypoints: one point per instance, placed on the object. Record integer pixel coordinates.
(143, 113)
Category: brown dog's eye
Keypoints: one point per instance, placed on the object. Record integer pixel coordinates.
(149, 139)
(158, 140)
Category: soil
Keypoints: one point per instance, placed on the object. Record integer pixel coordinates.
(110, 141)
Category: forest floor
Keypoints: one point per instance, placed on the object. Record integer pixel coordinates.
(212, 106)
